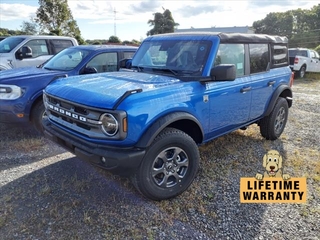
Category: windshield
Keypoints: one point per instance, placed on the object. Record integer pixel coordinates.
(66, 60)
(7, 44)
(178, 57)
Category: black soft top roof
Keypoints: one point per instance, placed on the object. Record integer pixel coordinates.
(232, 37)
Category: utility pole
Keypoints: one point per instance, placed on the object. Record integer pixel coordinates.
(115, 26)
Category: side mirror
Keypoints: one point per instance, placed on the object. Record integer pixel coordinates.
(223, 72)
(24, 52)
(89, 70)
(125, 63)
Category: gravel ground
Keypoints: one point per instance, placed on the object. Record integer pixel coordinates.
(47, 193)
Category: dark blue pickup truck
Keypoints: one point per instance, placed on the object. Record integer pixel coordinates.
(183, 90)
(21, 88)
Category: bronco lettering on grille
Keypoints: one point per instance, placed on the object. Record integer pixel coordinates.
(67, 113)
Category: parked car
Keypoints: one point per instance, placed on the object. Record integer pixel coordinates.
(303, 60)
(31, 50)
(185, 90)
(21, 89)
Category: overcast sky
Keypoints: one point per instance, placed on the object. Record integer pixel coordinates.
(97, 18)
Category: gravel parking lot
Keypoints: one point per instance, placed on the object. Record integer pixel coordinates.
(47, 193)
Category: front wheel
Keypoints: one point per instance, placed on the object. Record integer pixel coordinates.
(37, 114)
(272, 126)
(169, 166)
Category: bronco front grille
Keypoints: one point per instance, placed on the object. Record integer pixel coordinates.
(82, 119)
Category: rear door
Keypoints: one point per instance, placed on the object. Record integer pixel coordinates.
(263, 81)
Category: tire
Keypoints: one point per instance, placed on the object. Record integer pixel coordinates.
(169, 166)
(302, 72)
(37, 115)
(272, 126)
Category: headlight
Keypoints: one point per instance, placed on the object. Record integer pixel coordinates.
(10, 92)
(45, 99)
(109, 124)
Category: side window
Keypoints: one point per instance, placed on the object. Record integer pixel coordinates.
(312, 54)
(259, 57)
(128, 54)
(105, 62)
(38, 46)
(59, 44)
(279, 55)
(231, 54)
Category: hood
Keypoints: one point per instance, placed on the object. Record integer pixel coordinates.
(11, 76)
(5, 55)
(105, 89)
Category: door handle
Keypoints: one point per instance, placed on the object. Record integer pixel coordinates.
(245, 89)
(271, 83)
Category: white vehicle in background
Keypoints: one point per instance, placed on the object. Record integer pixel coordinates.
(28, 50)
(303, 60)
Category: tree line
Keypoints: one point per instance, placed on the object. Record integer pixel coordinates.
(302, 27)
(54, 17)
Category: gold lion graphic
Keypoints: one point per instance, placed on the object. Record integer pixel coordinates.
(272, 162)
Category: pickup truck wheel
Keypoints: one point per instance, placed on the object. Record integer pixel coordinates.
(169, 166)
(37, 114)
(302, 72)
(272, 126)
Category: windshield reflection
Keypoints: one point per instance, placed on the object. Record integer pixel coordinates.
(178, 57)
(66, 60)
(9, 43)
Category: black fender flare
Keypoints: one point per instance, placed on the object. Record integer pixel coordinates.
(282, 91)
(150, 134)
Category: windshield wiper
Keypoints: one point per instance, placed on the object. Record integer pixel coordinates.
(150, 69)
(174, 72)
(49, 68)
(189, 71)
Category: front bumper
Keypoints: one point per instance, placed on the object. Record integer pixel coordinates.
(9, 111)
(111, 158)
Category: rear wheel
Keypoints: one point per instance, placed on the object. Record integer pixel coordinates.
(169, 166)
(37, 114)
(302, 72)
(272, 126)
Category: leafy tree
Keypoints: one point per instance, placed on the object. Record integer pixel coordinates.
(317, 49)
(275, 24)
(54, 17)
(162, 23)
(133, 42)
(96, 43)
(302, 27)
(114, 39)
(29, 28)
(4, 32)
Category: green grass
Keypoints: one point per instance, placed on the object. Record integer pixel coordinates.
(312, 76)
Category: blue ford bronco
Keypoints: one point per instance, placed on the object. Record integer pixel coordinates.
(183, 90)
